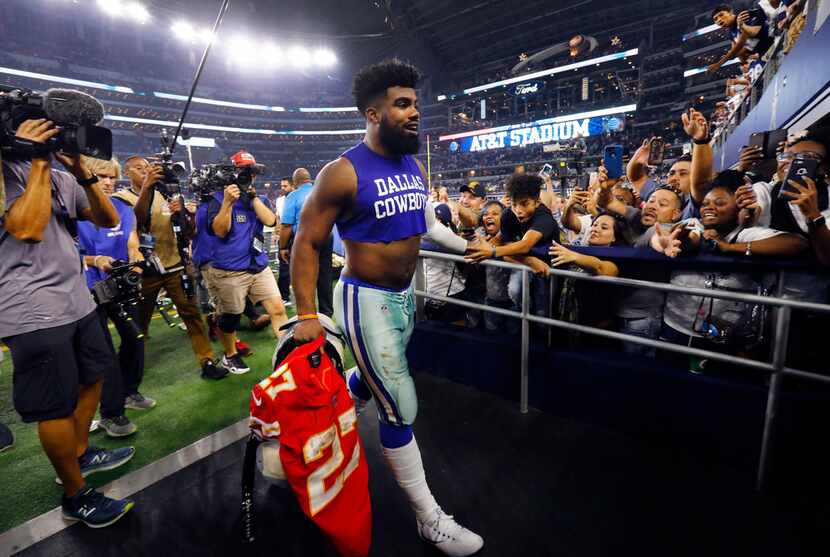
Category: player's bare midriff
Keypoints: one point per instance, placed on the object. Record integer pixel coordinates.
(390, 265)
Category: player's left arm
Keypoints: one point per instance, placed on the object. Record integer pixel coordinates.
(437, 232)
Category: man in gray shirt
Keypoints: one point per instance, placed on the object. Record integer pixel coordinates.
(48, 319)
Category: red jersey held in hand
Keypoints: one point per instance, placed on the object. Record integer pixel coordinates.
(309, 410)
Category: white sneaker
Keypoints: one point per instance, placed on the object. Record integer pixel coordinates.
(359, 404)
(442, 531)
(235, 364)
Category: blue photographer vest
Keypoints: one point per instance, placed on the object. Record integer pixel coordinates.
(235, 252)
(106, 241)
(390, 200)
(202, 244)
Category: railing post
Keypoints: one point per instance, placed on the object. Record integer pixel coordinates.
(551, 297)
(525, 339)
(420, 284)
(779, 357)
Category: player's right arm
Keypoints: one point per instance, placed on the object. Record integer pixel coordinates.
(334, 190)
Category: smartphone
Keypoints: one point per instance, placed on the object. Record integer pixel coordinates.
(799, 169)
(768, 142)
(612, 160)
(657, 152)
(592, 179)
(546, 170)
(774, 138)
(583, 181)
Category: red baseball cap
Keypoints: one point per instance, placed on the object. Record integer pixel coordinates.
(243, 158)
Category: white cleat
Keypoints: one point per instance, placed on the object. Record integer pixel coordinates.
(359, 404)
(448, 536)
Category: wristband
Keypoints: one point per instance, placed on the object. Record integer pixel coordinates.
(704, 141)
(87, 182)
(494, 253)
(306, 316)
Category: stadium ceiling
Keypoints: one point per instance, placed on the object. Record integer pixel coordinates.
(468, 34)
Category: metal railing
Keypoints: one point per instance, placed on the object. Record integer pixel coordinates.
(775, 367)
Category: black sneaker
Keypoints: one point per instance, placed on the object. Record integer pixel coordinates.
(119, 426)
(138, 401)
(6, 438)
(211, 371)
(100, 460)
(235, 364)
(94, 509)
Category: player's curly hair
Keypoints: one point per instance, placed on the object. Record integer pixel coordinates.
(372, 81)
(524, 186)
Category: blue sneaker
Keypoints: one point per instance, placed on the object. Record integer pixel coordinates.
(100, 460)
(94, 509)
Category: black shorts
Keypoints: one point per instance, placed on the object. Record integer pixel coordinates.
(51, 364)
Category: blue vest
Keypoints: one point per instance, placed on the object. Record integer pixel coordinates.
(390, 198)
(106, 241)
(202, 244)
(234, 252)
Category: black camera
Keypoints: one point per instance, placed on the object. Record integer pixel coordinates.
(121, 289)
(74, 112)
(211, 178)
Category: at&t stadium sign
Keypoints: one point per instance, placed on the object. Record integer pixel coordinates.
(548, 130)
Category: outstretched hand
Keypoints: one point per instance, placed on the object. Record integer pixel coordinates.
(695, 125)
(668, 242)
(478, 250)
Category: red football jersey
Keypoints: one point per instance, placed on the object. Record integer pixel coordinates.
(309, 410)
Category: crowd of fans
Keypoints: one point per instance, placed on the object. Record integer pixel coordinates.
(754, 211)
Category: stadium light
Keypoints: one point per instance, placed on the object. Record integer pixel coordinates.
(110, 7)
(190, 34)
(184, 31)
(243, 51)
(324, 58)
(299, 56)
(138, 12)
(272, 55)
(130, 10)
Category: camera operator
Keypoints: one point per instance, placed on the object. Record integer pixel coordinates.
(154, 212)
(239, 268)
(48, 318)
(101, 247)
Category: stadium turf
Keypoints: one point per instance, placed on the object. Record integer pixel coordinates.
(188, 409)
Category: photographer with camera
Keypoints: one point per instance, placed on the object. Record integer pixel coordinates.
(155, 212)
(239, 268)
(103, 249)
(48, 319)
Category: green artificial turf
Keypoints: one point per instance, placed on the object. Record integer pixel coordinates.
(188, 409)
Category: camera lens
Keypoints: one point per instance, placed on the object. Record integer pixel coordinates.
(132, 279)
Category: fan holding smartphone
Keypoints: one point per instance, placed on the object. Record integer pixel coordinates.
(798, 200)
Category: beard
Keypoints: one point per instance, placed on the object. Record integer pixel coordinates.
(397, 141)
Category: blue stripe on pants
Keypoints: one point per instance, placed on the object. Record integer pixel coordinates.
(385, 402)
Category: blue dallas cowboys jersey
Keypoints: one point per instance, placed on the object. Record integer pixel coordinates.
(390, 201)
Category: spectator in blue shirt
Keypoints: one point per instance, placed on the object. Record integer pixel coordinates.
(100, 247)
(749, 30)
(290, 220)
